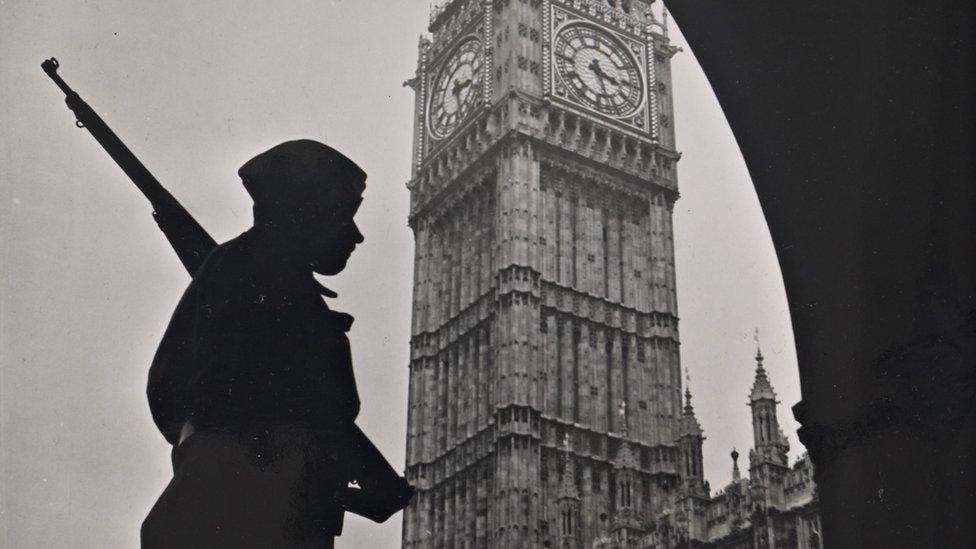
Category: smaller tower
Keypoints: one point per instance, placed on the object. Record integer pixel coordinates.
(770, 444)
(568, 501)
(768, 461)
(692, 497)
(690, 440)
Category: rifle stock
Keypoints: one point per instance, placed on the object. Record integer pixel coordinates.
(365, 464)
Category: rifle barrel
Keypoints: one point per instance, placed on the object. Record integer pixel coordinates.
(51, 68)
(87, 118)
(190, 241)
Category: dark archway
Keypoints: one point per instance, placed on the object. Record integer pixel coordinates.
(857, 123)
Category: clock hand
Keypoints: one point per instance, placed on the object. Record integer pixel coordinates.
(603, 84)
(460, 86)
(595, 66)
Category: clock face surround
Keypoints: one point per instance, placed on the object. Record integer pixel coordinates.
(455, 89)
(598, 70)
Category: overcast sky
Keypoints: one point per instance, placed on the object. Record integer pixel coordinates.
(197, 88)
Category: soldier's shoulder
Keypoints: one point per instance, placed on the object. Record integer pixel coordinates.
(232, 260)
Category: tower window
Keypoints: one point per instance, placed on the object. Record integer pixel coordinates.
(567, 522)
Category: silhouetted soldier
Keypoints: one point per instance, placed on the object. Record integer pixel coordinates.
(253, 381)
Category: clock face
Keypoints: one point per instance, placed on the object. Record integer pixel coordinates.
(455, 90)
(598, 70)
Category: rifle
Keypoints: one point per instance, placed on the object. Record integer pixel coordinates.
(365, 464)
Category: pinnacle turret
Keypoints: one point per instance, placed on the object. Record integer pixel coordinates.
(690, 444)
(625, 456)
(689, 425)
(567, 485)
(736, 476)
(761, 388)
(770, 444)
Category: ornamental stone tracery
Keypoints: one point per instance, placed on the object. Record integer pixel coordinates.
(544, 286)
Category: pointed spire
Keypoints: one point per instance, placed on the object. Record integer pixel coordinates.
(625, 457)
(759, 357)
(736, 476)
(761, 388)
(688, 424)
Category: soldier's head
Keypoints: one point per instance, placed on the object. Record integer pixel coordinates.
(308, 193)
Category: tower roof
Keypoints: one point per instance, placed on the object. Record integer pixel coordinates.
(689, 425)
(761, 388)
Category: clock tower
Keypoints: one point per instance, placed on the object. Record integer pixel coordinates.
(542, 191)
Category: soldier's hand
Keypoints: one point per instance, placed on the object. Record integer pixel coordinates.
(376, 505)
